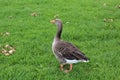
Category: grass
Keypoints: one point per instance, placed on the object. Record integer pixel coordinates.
(84, 25)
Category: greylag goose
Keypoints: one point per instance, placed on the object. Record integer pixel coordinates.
(65, 52)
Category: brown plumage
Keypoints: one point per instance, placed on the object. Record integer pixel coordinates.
(65, 52)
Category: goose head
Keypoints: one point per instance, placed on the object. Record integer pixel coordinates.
(57, 22)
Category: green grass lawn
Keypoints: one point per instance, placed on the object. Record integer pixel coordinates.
(92, 25)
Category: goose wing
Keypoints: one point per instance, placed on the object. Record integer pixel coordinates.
(69, 51)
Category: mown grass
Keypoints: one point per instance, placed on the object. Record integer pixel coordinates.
(84, 26)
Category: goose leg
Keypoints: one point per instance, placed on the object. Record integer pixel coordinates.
(61, 67)
(66, 71)
(70, 69)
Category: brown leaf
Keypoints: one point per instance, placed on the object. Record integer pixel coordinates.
(5, 34)
(118, 6)
(10, 17)
(34, 14)
(7, 50)
(108, 20)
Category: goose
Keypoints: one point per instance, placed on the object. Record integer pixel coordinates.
(65, 52)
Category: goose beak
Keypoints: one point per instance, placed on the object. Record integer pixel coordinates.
(52, 21)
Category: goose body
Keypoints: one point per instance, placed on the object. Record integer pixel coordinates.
(65, 52)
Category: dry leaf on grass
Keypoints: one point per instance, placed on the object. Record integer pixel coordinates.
(5, 34)
(108, 20)
(10, 17)
(34, 14)
(118, 6)
(8, 50)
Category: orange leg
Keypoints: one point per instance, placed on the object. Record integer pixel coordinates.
(70, 69)
(61, 67)
(66, 71)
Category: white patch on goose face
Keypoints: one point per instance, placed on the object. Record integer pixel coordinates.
(75, 61)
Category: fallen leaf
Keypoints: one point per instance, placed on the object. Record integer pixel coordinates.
(10, 17)
(7, 45)
(7, 54)
(108, 20)
(34, 14)
(7, 33)
(11, 51)
(118, 6)
(7, 50)
(56, 16)
(105, 20)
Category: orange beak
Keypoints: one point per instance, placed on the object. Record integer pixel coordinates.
(52, 21)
